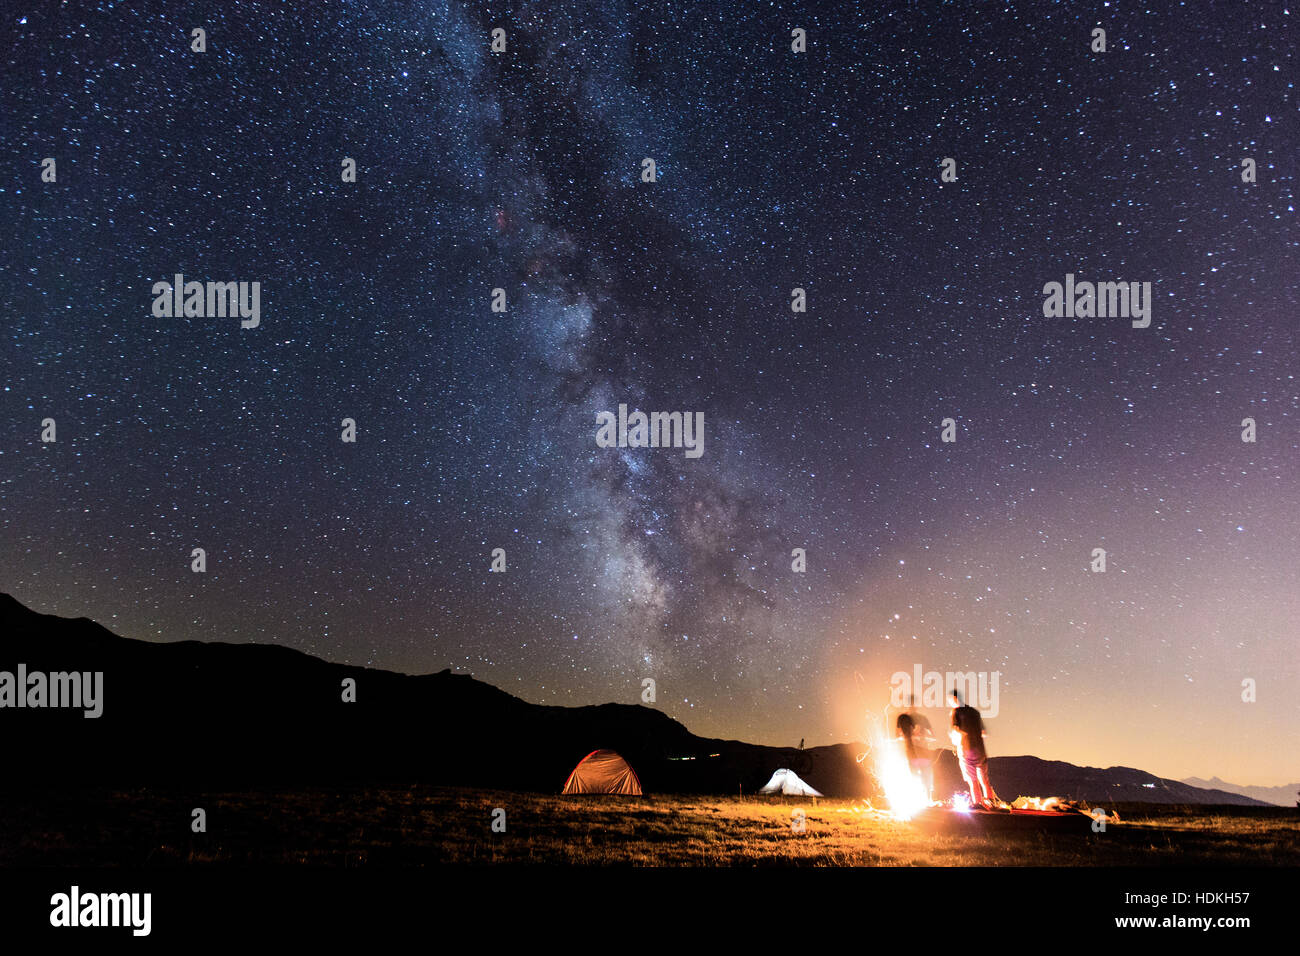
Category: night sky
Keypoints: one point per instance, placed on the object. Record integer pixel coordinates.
(476, 430)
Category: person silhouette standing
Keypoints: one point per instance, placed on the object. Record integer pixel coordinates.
(968, 734)
(918, 739)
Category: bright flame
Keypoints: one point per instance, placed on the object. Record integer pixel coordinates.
(903, 789)
(961, 803)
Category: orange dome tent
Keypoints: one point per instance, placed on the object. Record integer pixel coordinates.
(603, 771)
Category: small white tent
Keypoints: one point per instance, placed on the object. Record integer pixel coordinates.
(787, 782)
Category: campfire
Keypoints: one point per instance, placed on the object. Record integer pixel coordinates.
(887, 763)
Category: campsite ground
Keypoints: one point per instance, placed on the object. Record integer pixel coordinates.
(427, 825)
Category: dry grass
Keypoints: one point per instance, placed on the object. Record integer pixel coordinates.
(430, 826)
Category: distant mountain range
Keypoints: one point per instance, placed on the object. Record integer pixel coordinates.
(214, 715)
(1283, 796)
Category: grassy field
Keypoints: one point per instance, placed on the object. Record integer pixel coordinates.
(367, 827)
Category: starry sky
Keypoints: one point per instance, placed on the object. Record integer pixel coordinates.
(476, 430)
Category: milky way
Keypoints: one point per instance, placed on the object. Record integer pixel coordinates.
(521, 170)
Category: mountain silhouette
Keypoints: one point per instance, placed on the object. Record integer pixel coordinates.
(208, 714)
(1286, 795)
